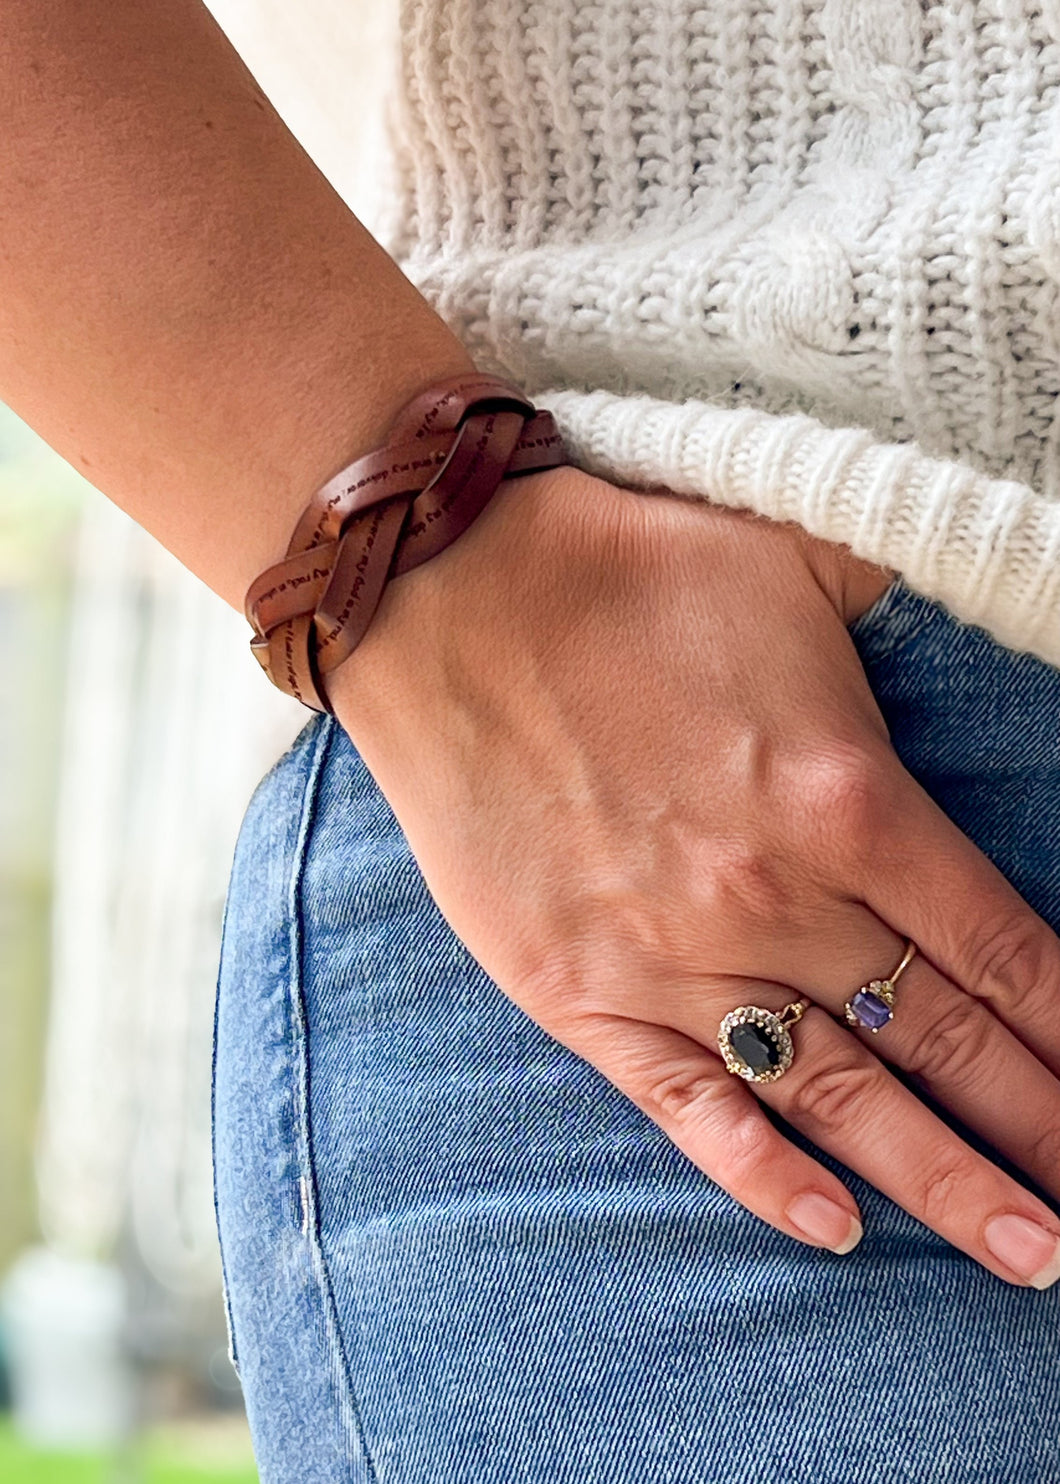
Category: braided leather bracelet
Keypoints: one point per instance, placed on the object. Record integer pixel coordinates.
(446, 453)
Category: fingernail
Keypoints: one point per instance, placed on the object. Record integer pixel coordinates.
(825, 1221)
(1025, 1247)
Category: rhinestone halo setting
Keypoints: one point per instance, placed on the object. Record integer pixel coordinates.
(755, 1044)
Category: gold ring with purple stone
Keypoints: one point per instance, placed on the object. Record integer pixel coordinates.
(873, 1005)
(756, 1044)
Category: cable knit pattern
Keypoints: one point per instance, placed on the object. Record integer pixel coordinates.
(800, 256)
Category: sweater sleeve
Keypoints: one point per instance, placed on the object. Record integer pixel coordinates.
(797, 259)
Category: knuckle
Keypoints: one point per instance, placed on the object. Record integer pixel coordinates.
(693, 1101)
(846, 789)
(746, 1151)
(943, 1193)
(738, 1141)
(685, 1094)
(552, 989)
(832, 1098)
(953, 1049)
(570, 976)
(1010, 962)
(1044, 1154)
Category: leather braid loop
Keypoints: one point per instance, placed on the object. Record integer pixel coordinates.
(445, 455)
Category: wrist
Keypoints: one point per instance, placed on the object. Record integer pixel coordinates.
(385, 514)
(453, 602)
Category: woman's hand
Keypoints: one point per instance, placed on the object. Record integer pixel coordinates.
(637, 759)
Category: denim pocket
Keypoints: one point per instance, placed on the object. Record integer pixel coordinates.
(893, 620)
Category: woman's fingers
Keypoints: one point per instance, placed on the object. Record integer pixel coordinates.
(930, 882)
(964, 1055)
(716, 1121)
(842, 1098)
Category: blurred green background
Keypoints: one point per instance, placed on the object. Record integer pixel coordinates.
(183, 1439)
(217, 1455)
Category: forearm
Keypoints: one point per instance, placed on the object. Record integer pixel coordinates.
(189, 313)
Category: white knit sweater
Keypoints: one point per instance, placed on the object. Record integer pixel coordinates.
(800, 256)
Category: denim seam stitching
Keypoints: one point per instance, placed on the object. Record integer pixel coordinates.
(898, 642)
(302, 1092)
(875, 639)
(233, 1349)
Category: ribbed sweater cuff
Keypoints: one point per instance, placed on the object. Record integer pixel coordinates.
(988, 549)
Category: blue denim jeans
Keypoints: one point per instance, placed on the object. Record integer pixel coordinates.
(454, 1252)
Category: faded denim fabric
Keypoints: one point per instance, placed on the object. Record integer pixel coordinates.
(455, 1254)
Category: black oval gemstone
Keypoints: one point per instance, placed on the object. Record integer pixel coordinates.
(754, 1046)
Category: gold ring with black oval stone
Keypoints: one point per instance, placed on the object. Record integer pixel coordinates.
(756, 1044)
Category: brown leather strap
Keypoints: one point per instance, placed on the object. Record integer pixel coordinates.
(384, 514)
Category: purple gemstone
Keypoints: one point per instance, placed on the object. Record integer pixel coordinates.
(870, 1009)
